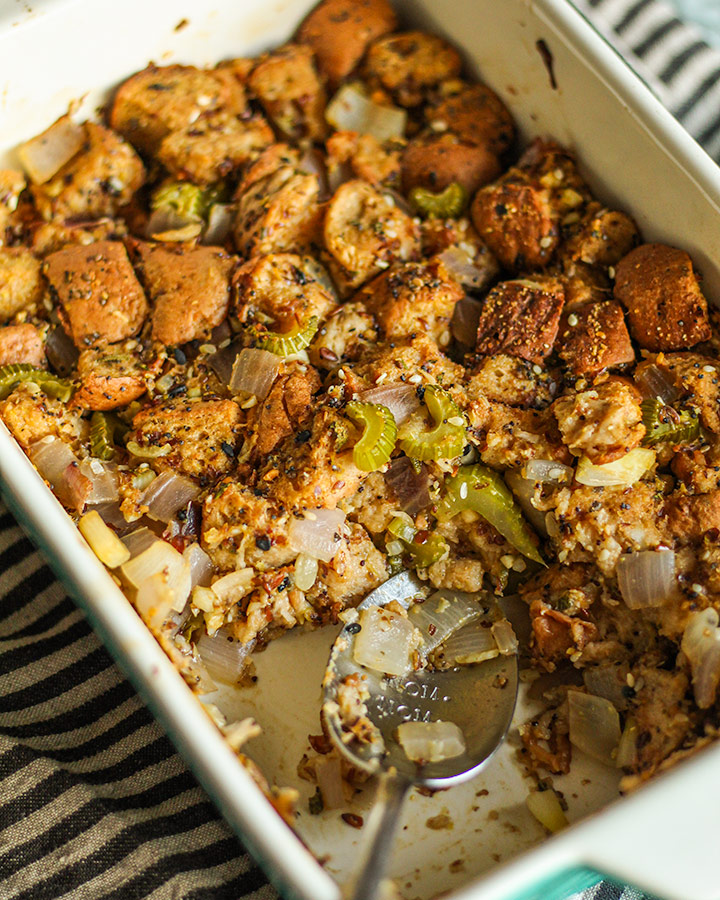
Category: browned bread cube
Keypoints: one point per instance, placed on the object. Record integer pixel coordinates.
(659, 288)
(521, 318)
(595, 337)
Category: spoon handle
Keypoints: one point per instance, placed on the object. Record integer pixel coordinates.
(366, 883)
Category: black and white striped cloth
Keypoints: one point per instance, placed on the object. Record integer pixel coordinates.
(94, 802)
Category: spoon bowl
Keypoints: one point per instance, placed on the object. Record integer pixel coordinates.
(479, 698)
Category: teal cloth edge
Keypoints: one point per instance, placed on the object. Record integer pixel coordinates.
(562, 885)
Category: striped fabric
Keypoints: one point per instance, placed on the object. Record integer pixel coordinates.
(95, 803)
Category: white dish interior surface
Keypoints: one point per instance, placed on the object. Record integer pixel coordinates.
(635, 156)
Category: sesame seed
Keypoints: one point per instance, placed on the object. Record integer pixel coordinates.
(507, 560)
(415, 379)
(546, 242)
(708, 369)
(572, 319)
(630, 679)
(537, 369)
(611, 271)
(463, 491)
(382, 264)
(310, 516)
(456, 420)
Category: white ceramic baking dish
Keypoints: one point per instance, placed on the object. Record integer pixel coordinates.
(663, 838)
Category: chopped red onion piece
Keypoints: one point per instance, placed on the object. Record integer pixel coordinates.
(464, 322)
(201, 567)
(52, 458)
(223, 361)
(220, 222)
(411, 488)
(61, 352)
(646, 578)
(462, 268)
(168, 493)
(656, 381)
(318, 533)
(401, 399)
(254, 372)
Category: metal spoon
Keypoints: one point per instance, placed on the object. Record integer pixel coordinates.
(479, 699)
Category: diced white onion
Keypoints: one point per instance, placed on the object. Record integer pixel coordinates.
(306, 571)
(237, 734)
(43, 156)
(627, 748)
(223, 656)
(624, 471)
(607, 681)
(548, 471)
(524, 491)
(201, 567)
(441, 614)
(594, 726)
(464, 322)
(701, 645)
(140, 540)
(103, 477)
(233, 587)
(318, 533)
(168, 493)
(352, 110)
(156, 600)
(401, 399)
(254, 372)
(167, 224)
(385, 641)
(104, 543)
(220, 222)
(505, 637)
(646, 578)
(430, 742)
(461, 266)
(473, 643)
(329, 779)
(545, 806)
(170, 590)
(52, 458)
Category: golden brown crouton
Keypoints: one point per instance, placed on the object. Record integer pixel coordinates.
(50, 236)
(605, 236)
(12, 184)
(411, 298)
(161, 99)
(400, 360)
(200, 437)
(367, 158)
(518, 224)
(356, 569)
(22, 344)
(595, 337)
(512, 381)
(278, 213)
(31, 415)
(365, 232)
(100, 299)
(692, 516)
(521, 318)
(96, 182)
(585, 284)
(513, 436)
(339, 32)
(241, 528)
(287, 85)
(698, 376)
(21, 284)
(270, 160)
(410, 64)
(286, 410)
(214, 146)
(603, 423)
(343, 336)
(109, 378)
(477, 116)
(283, 287)
(317, 472)
(660, 290)
(435, 161)
(600, 523)
(189, 288)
